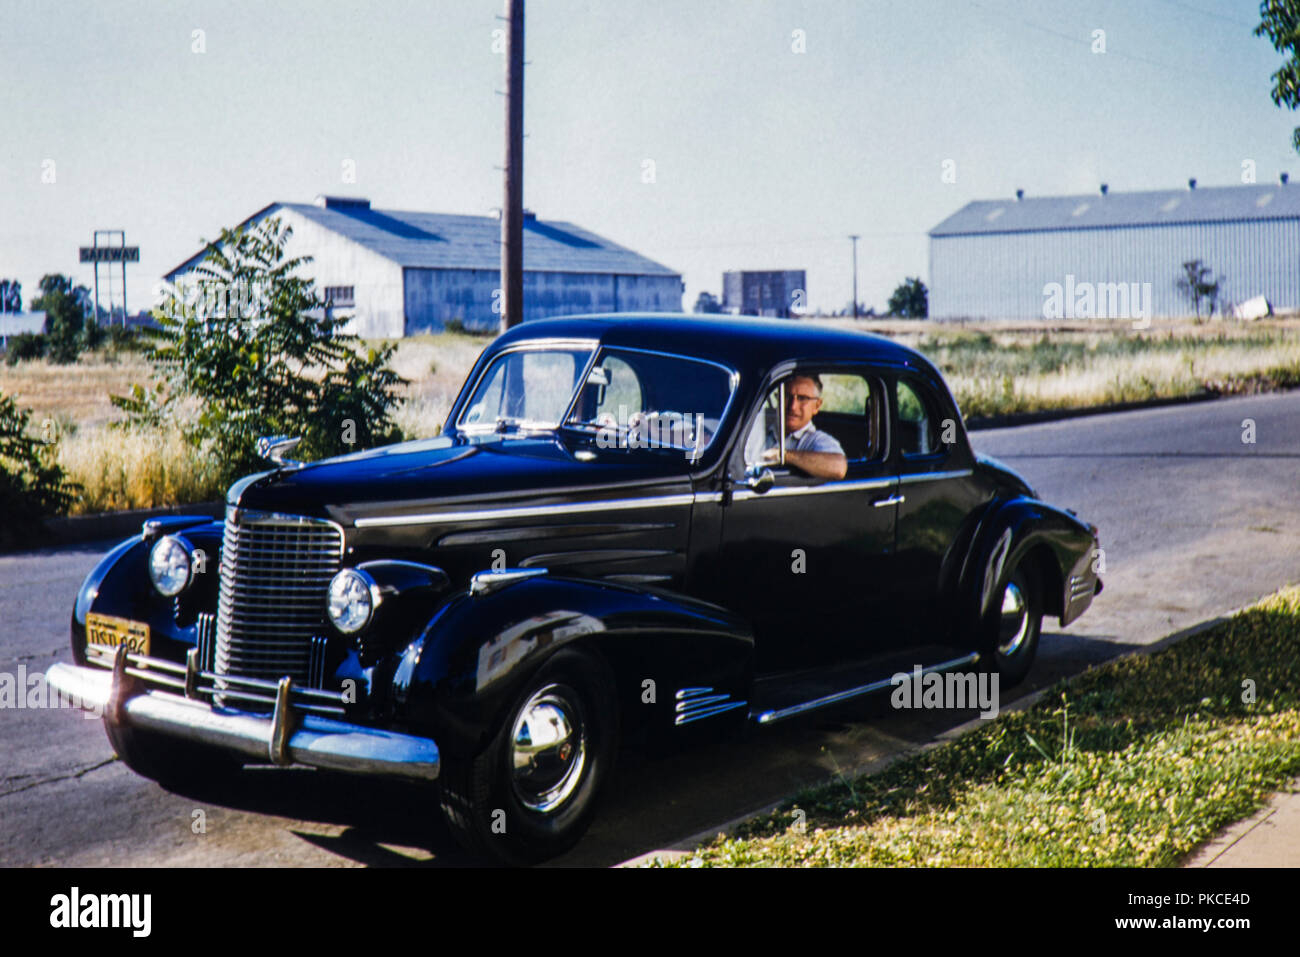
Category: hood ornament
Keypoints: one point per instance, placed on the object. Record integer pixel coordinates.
(274, 448)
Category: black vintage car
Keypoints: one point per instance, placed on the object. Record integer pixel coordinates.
(629, 524)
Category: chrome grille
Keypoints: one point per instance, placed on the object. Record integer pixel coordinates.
(275, 570)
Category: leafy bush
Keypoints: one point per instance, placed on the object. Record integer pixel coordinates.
(250, 350)
(32, 484)
(24, 347)
(66, 307)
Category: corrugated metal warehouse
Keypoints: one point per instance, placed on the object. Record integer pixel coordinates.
(1019, 258)
(402, 273)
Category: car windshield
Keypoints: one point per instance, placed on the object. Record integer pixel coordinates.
(525, 389)
(640, 399)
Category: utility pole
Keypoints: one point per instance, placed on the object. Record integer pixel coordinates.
(512, 210)
(855, 276)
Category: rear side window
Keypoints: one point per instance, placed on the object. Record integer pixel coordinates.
(918, 425)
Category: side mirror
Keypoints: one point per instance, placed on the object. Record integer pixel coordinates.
(759, 479)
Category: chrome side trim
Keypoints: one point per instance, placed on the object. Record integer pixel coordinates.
(525, 511)
(856, 485)
(769, 717)
(315, 741)
(934, 476)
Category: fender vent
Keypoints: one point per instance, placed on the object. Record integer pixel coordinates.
(694, 704)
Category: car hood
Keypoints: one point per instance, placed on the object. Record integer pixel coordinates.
(457, 470)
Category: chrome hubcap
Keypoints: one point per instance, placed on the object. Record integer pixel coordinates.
(1014, 626)
(548, 749)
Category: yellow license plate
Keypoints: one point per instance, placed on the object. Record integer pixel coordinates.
(111, 631)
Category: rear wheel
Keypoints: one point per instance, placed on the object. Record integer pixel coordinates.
(531, 793)
(169, 760)
(1011, 628)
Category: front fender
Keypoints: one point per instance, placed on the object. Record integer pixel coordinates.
(458, 679)
(119, 585)
(1055, 543)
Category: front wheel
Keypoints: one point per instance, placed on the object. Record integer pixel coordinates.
(531, 793)
(1011, 628)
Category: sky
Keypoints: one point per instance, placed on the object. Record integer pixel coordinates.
(705, 134)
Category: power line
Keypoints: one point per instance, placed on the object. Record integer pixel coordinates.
(1071, 37)
(1208, 13)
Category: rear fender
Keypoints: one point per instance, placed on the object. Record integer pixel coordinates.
(1056, 545)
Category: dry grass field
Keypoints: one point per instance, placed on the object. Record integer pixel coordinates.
(994, 368)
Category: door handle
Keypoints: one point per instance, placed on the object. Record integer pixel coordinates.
(892, 500)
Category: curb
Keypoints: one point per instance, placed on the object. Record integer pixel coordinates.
(683, 848)
(979, 422)
(88, 528)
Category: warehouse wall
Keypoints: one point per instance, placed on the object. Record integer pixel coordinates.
(336, 261)
(434, 296)
(1003, 275)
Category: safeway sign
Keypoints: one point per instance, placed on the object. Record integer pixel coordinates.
(110, 254)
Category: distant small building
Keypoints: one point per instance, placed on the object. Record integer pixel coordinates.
(399, 273)
(16, 323)
(764, 293)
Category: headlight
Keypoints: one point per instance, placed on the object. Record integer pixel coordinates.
(353, 596)
(170, 568)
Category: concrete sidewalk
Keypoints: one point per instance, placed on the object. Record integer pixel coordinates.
(1268, 838)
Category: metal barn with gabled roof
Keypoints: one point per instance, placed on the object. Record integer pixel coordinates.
(401, 273)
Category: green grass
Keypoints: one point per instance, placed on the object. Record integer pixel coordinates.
(1135, 763)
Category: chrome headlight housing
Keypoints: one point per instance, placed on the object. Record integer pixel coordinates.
(353, 597)
(171, 568)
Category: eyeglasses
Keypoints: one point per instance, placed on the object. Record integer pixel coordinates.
(805, 398)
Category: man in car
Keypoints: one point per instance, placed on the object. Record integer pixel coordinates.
(806, 447)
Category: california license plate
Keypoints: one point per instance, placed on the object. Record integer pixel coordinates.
(111, 631)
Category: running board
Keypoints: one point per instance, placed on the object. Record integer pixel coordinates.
(770, 717)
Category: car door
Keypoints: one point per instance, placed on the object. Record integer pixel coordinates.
(808, 560)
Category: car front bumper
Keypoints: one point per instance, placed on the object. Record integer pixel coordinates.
(288, 736)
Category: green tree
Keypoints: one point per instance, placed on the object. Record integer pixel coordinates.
(32, 484)
(249, 349)
(1199, 285)
(68, 327)
(11, 295)
(706, 303)
(910, 300)
(1280, 22)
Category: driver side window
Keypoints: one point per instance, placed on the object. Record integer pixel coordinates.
(848, 411)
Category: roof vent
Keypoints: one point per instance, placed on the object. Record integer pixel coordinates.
(1284, 177)
(342, 202)
(1191, 183)
(1105, 188)
(1020, 194)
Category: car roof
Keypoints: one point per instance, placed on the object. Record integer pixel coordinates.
(735, 340)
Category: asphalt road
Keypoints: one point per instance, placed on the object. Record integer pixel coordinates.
(1194, 523)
